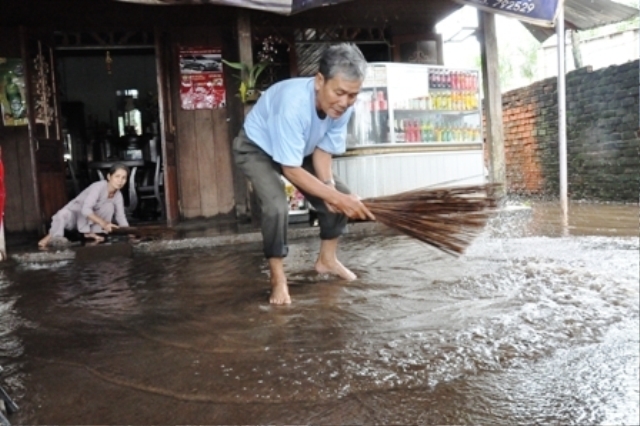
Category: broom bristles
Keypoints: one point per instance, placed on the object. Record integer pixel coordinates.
(445, 218)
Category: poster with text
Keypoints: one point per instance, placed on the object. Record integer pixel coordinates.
(13, 100)
(201, 79)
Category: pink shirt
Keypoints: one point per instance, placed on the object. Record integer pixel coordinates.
(95, 196)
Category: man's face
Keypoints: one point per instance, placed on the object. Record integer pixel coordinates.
(335, 95)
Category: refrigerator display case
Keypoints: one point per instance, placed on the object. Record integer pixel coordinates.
(298, 205)
(414, 126)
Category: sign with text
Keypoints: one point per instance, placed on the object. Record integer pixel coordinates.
(201, 80)
(537, 12)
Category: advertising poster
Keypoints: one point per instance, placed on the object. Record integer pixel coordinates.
(201, 79)
(13, 101)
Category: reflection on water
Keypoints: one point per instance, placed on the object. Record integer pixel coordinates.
(531, 328)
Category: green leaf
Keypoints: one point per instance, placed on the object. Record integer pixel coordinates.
(236, 65)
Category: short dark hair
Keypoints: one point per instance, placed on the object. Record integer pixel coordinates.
(118, 166)
(345, 59)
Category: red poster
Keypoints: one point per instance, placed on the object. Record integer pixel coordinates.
(201, 79)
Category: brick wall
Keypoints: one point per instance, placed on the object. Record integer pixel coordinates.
(603, 161)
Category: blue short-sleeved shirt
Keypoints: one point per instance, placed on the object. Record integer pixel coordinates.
(285, 124)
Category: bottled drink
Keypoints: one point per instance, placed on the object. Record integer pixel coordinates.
(406, 128)
(399, 128)
(429, 130)
(415, 131)
(383, 117)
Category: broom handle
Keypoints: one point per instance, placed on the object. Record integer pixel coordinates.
(124, 230)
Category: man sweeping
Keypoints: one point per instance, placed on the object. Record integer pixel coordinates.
(294, 129)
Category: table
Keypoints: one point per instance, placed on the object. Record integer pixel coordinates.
(102, 167)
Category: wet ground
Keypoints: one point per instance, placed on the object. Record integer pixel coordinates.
(535, 324)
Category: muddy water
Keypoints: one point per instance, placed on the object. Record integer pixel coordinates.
(528, 327)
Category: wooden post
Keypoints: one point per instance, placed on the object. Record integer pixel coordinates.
(245, 45)
(166, 125)
(492, 99)
(245, 48)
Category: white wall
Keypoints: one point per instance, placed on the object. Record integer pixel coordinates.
(597, 52)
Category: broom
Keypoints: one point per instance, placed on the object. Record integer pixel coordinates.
(445, 218)
(141, 232)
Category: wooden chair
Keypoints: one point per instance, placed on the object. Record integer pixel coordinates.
(152, 188)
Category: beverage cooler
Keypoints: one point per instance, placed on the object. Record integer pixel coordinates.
(414, 126)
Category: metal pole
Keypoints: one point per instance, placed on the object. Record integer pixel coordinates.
(562, 112)
(3, 246)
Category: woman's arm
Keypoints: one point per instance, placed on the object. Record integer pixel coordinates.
(106, 226)
(89, 204)
(121, 218)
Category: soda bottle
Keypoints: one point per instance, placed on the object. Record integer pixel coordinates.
(416, 131)
(399, 130)
(430, 136)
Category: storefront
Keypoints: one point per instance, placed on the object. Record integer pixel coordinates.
(414, 126)
(144, 84)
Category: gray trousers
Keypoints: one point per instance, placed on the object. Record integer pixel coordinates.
(265, 177)
(70, 220)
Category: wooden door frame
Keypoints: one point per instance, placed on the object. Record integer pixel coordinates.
(33, 125)
(31, 132)
(167, 128)
(41, 131)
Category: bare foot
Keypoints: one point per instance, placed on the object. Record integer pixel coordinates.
(279, 292)
(44, 241)
(97, 238)
(335, 268)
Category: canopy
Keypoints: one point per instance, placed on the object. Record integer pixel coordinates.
(283, 7)
(583, 15)
(538, 16)
(538, 12)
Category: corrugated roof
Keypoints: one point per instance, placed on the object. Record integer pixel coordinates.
(579, 14)
(587, 14)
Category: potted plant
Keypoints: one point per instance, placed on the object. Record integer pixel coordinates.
(247, 91)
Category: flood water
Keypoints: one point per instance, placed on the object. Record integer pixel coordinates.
(532, 325)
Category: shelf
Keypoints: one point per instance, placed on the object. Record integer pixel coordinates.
(436, 111)
(437, 143)
(399, 145)
(445, 90)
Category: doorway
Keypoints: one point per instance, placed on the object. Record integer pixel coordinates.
(109, 114)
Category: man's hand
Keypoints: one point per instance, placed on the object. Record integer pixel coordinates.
(336, 201)
(350, 205)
